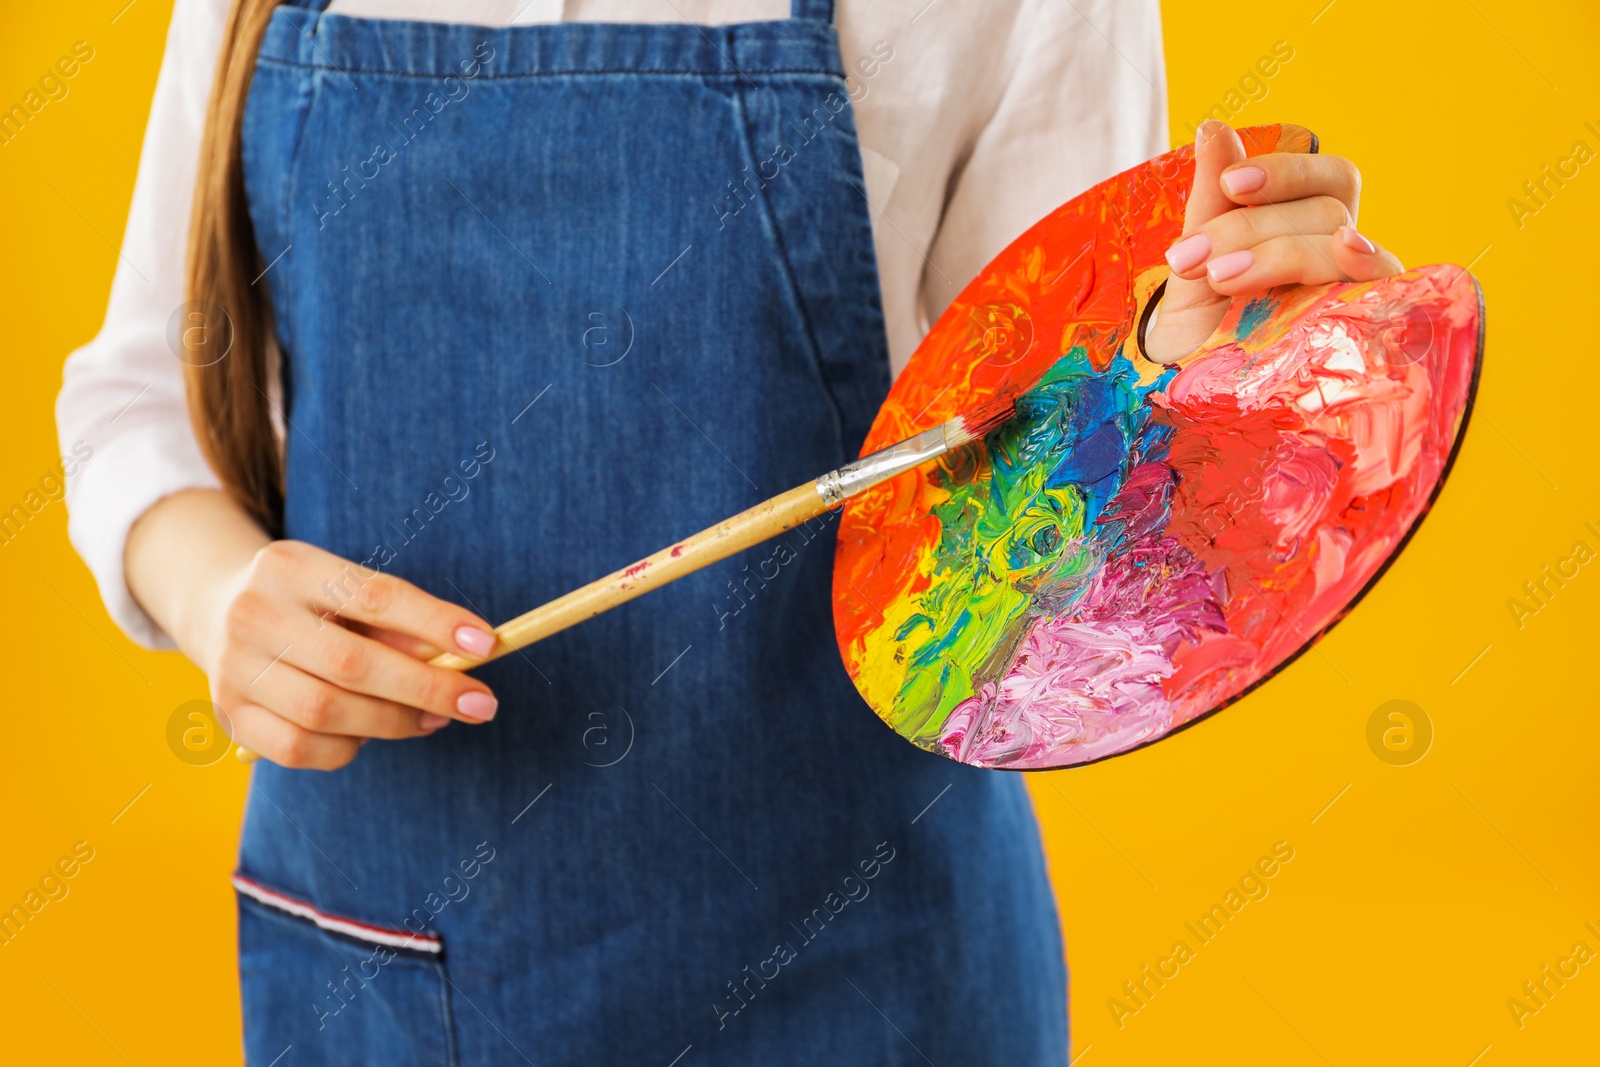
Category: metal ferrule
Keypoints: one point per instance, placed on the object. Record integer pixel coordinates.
(837, 486)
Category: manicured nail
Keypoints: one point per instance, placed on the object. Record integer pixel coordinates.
(476, 705)
(1189, 253)
(429, 721)
(1353, 239)
(474, 641)
(1243, 180)
(1231, 265)
(1207, 130)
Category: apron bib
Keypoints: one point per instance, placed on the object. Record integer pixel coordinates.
(548, 297)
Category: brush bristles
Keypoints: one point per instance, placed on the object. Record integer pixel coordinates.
(979, 421)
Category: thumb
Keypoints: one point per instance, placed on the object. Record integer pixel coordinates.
(1190, 309)
(1216, 148)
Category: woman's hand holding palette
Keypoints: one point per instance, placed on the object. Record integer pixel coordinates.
(1143, 543)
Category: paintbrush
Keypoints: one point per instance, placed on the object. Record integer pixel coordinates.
(744, 530)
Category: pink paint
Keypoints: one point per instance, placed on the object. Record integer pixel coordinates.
(1292, 474)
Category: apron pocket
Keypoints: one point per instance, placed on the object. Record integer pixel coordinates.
(335, 989)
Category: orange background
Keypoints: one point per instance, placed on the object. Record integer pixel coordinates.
(1415, 905)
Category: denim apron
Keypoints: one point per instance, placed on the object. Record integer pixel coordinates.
(548, 298)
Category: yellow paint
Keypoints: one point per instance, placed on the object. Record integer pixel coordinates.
(1405, 921)
(880, 678)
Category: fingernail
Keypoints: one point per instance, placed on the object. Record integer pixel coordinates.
(477, 705)
(1189, 253)
(429, 721)
(1243, 180)
(1207, 130)
(1231, 265)
(475, 641)
(1353, 239)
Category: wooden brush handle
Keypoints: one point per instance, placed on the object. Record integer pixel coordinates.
(760, 523)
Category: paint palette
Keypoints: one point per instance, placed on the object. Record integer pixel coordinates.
(1142, 544)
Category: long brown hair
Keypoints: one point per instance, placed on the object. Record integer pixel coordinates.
(228, 396)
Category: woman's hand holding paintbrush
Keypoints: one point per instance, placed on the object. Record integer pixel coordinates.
(308, 654)
(413, 618)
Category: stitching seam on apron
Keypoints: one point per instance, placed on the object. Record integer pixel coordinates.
(736, 98)
(286, 216)
(575, 72)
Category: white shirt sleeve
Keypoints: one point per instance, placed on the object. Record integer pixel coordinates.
(123, 392)
(1087, 99)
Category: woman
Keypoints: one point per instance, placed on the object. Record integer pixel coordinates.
(474, 310)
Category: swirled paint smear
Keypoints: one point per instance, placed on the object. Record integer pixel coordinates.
(1141, 544)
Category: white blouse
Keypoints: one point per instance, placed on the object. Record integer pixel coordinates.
(976, 120)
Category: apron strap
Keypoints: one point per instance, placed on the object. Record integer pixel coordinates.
(815, 10)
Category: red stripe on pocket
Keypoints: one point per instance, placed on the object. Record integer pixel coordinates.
(337, 924)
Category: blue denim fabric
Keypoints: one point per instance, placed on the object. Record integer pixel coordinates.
(540, 316)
